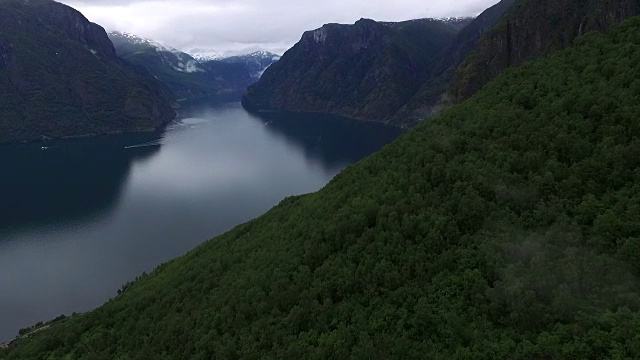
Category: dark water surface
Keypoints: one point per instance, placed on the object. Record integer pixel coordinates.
(85, 216)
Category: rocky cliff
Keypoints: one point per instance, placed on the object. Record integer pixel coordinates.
(427, 100)
(533, 28)
(60, 76)
(365, 71)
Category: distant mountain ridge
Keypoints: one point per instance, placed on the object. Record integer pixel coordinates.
(128, 45)
(257, 62)
(189, 77)
(404, 92)
(366, 71)
(60, 77)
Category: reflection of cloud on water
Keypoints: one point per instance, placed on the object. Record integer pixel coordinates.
(188, 123)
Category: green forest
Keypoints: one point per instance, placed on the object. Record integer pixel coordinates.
(506, 228)
(59, 77)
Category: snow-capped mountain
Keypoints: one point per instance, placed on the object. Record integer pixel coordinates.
(208, 57)
(203, 75)
(257, 62)
(135, 39)
(129, 44)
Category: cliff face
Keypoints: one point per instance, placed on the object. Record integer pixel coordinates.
(507, 228)
(366, 71)
(427, 99)
(533, 28)
(387, 73)
(60, 76)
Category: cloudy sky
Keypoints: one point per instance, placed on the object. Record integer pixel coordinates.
(241, 26)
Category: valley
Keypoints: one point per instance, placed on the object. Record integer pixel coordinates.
(442, 187)
(124, 204)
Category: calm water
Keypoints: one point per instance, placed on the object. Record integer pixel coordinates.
(84, 217)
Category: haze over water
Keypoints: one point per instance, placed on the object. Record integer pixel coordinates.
(85, 216)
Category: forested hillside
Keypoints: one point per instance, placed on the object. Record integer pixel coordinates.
(506, 228)
(60, 77)
(427, 101)
(531, 29)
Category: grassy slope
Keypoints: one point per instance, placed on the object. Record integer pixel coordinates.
(508, 227)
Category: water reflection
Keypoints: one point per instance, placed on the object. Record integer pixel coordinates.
(68, 182)
(330, 140)
(82, 218)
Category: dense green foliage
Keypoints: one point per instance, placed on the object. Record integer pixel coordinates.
(427, 101)
(401, 94)
(367, 71)
(59, 76)
(531, 29)
(508, 227)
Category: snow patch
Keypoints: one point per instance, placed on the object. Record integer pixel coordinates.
(135, 39)
(207, 55)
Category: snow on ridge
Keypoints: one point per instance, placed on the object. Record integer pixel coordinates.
(454, 19)
(208, 57)
(260, 55)
(217, 56)
(438, 19)
(140, 40)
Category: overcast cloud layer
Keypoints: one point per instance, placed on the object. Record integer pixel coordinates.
(241, 26)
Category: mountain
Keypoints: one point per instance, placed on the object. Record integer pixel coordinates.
(505, 228)
(364, 71)
(257, 62)
(232, 78)
(533, 29)
(427, 101)
(186, 76)
(60, 77)
(129, 46)
(183, 74)
(477, 54)
(206, 56)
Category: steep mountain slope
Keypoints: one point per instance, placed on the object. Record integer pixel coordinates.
(257, 62)
(533, 29)
(187, 77)
(506, 228)
(60, 76)
(366, 71)
(230, 78)
(425, 103)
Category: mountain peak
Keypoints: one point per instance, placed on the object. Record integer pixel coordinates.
(77, 85)
(336, 63)
(135, 39)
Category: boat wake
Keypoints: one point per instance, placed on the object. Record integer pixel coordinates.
(147, 144)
